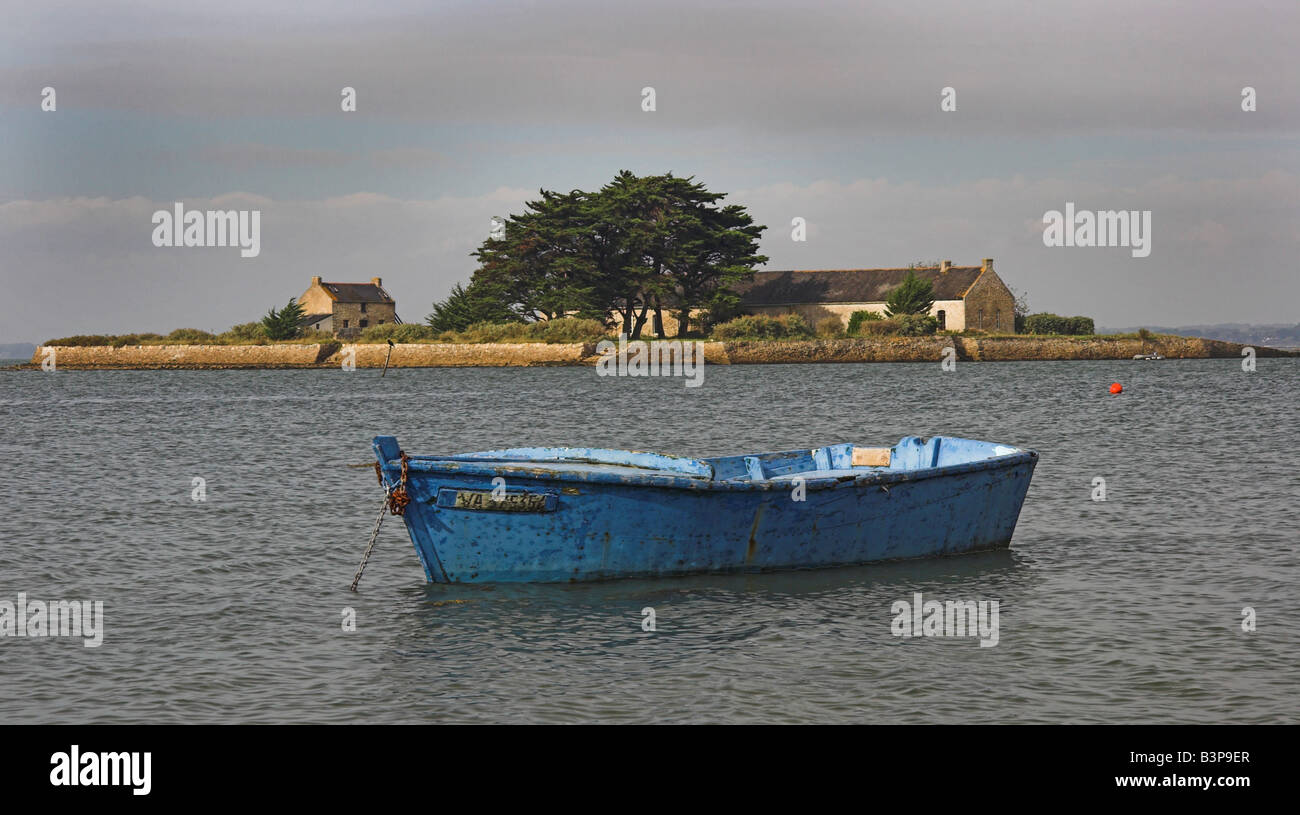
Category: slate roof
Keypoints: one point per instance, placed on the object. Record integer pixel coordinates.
(849, 285)
(358, 293)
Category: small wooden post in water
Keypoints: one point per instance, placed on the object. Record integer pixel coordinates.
(386, 358)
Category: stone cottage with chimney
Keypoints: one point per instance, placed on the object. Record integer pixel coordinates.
(346, 309)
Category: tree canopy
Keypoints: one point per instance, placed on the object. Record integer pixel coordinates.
(637, 246)
(466, 306)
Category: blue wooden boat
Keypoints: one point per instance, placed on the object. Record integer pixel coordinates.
(567, 514)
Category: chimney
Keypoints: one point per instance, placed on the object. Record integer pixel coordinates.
(315, 281)
(988, 264)
(377, 281)
(944, 266)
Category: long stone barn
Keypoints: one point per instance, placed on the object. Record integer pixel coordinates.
(965, 297)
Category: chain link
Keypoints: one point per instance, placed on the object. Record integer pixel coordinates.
(395, 502)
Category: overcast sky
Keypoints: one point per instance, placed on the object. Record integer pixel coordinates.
(464, 110)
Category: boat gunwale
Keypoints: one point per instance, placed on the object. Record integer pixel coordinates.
(434, 466)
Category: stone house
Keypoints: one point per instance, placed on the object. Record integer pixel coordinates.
(346, 309)
(965, 297)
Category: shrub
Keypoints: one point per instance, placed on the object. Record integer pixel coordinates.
(247, 333)
(568, 329)
(1082, 325)
(857, 318)
(83, 339)
(1044, 323)
(496, 332)
(762, 327)
(398, 332)
(830, 327)
(562, 329)
(907, 325)
(190, 336)
(793, 326)
(879, 328)
(1047, 323)
(115, 340)
(746, 327)
(917, 325)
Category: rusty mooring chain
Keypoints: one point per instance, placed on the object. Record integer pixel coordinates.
(398, 498)
(370, 547)
(395, 501)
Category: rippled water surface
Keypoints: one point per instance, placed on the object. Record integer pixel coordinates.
(230, 610)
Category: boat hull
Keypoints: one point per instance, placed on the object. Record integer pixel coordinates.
(576, 528)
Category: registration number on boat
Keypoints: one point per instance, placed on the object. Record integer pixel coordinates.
(490, 501)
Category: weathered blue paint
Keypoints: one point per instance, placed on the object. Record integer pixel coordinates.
(617, 513)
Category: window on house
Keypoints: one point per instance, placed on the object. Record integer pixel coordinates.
(363, 308)
(381, 322)
(345, 323)
(943, 319)
(364, 323)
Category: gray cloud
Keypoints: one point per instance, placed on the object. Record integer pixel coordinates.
(246, 155)
(1017, 68)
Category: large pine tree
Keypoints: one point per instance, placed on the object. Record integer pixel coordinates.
(637, 246)
(283, 324)
(912, 296)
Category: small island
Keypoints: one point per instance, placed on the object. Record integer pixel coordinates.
(655, 259)
(504, 345)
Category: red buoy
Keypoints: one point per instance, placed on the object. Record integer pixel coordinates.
(1115, 387)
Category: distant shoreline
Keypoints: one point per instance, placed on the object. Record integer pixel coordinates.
(1017, 348)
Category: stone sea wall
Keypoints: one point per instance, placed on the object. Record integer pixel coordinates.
(185, 356)
(987, 349)
(466, 355)
(412, 355)
(438, 355)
